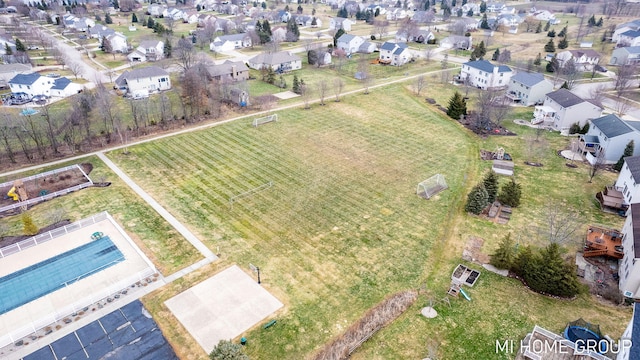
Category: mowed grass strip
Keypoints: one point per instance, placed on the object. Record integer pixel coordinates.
(340, 228)
(168, 250)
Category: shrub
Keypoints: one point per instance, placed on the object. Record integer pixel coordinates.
(504, 256)
(226, 350)
(574, 129)
(28, 227)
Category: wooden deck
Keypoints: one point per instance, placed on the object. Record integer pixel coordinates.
(603, 242)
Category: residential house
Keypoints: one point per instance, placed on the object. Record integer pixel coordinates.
(457, 42)
(585, 60)
(283, 16)
(8, 71)
(624, 27)
(629, 266)
(629, 38)
(562, 108)
(466, 23)
(495, 7)
(148, 79)
(509, 20)
(148, 50)
(396, 54)
(608, 136)
(349, 43)
(475, 7)
(628, 181)
(207, 19)
(423, 17)
(63, 87)
(484, 75)
(629, 345)
(118, 42)
(625, 56)
(543, 15)
(280, 61)
(230, 42)
(100, 31)
(191, 17)
(419, 36)
(229, 71)
(278, 33)
(31, 84)
(397, 14)
(528, 88)
(156, 10)
(308, 21)
(173, 13)
(336, 23)
(367, 47)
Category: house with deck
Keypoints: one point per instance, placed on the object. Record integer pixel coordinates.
(31, 84)
(148, 50)
(625, 56)
(282, 61)
(484, 75)
(528, 88)
(562, 108)
(148, 79)
(608, 136)
(396, 54)
(584, 59)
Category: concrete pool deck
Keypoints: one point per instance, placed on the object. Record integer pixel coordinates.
(222, 307)
(46, 310)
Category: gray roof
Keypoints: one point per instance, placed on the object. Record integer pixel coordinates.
(364, 46)
(631, 33)
(611, 125)
(346, 38)
(10, 68)
(274, 58)
(149, 71)
(60, 83)
(233, 37)
(528, 79)
(486, 66)
(25, 79)
(632, 49)
(225, 68)
(388, 46)
(633, 162)
(565, 98)
(147, 44)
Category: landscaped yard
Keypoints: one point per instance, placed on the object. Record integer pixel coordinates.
(340, 226)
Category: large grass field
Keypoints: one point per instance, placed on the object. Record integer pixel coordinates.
(341, 226)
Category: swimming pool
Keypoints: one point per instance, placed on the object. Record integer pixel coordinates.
(47, 276)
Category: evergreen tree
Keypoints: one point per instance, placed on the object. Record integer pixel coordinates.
(150, 22)
(296, 85)
(49, 19)
(7, 49)
(339, 33)
(300, 9)
(539, 28)
(547, 26)
(495, 54)
(293, 33)
(264, 5)
(565, 85)
(585, 129)
(226, 350)
(483, 7)
(453, 3)
(551, 33)
(107, 19)
(479, 51)
(198, 7)
(459, 12)
(476, 200)
(342, 13)
(457, 106)
(314, 22)
(266, 27)
(20, 46)
(271, 76)
(538, 60)
(167, 48)
(504, 257)
(98, 17)
(592, 21)
(554, 275)
(628, 151)
(116, 5)
(599, 23)
(28, 227)
(563, 32)
(134, 18)
(550, 46)
(523, 262)
(470, 13)
(490, 183)
(510, 193)
(563, 43)
(427, 4)
(464, 2)
(484, 23)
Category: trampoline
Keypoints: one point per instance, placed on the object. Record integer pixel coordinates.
(586, 336)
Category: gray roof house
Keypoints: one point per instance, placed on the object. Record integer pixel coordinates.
(396, 54)
(628, 181)
(528, 88)
(457, 42)
(562, 108)
(484, 75)
(280, 62)
(229, 70)
(149, 79)
(349, 43)
(625, 56)
(609, 135)
(8, 71)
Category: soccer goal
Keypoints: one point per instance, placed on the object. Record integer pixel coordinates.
(265, 120)
(431, 186)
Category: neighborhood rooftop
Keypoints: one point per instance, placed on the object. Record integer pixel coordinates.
(528, 79)
(611, 125)
(486, 66)
(273, 58)
(635, 224)
(25, 79)
(565, 98)
(633, 162)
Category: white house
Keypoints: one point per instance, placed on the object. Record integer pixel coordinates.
(543, 15)
(562, 108)
(457, 42)
(173, 13)
(230, 42)
(63, 87)
(308, 21)
(528, 88)
(156, 10)
(100, 31)
(349, 43)
(367, 47)
(118, 42)
(628, 181)
(584, 59)
(495, 7)
(336, 23)
(148, 50)
(397, 14)
(629, 267)
(609, 135)
(419, 36)
(280, 62)
(624, 27)
(148, 79)
(625, 56)
(629, 38)
(396, 54)
(631, 337)
(484, 75)
(31, 84)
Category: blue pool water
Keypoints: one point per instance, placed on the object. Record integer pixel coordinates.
(55, 273)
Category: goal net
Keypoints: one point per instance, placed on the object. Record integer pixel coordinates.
(431, 186)
(265, 120)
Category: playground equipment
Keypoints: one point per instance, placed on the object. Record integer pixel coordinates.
(17, 192)
(464, 294)
(462, 275)
(585, 335)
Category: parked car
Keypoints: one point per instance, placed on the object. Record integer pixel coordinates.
(601, 69)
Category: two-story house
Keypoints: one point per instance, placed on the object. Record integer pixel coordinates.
(608, 136)
(349, 43)
(148, 50)
(457, 42)
(629, 38)
(148, 79)
(63, 87)
(585, 60)
(229, 71)
(629, 345)
(484, 75)
(528, 88)
(230, 42)
(31, 84)
(625, 56)
(118, 42)
(633, 25)
(628, 181)
(396, 54)
(282, 61)
(629, 266)
(336, 23)
(562, 108)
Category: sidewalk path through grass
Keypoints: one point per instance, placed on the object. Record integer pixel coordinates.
(204, 250)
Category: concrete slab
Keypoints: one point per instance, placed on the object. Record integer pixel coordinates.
(222, 307)
(286, 95)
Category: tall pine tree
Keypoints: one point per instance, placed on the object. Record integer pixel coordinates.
(504, 256)
(476, 200)
(628, 151)
(457, 107)
(490, 183)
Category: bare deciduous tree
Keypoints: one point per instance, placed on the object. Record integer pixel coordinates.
(419, 83)
(76, 68)
(338, 85)
(322, 90)
(562, 223)
(184, 53)
(598, 165)
(571, 73)
(381, 27)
